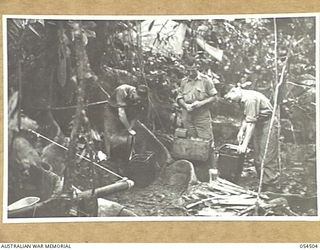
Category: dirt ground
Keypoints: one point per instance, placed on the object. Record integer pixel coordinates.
(163, 199)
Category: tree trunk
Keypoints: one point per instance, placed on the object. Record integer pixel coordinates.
(81, 61)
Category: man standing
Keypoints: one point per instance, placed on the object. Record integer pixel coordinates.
(195, 94)
(121, 113)
(257, 116)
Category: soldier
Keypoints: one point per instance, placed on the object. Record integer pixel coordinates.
(195, 94)
(121, 113)
(257, 116)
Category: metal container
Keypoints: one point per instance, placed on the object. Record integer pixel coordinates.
(213, 174)
(141, 169)
(230, 162)
(191, 149)
(180, 133)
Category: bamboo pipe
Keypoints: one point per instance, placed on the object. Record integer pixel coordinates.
(102, 191)
(113, 188)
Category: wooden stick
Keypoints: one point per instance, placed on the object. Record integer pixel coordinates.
(199, 202)
(247, 210)
(241, 189)
(223, 188)
(243, 202)
(228, 182)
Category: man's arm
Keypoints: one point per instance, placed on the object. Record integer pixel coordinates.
(180, 98)
(183, 104)
(123, 118)
(247, 137)
(210, 90)
(251, 111)
(198, 104)
(120, 98)
(241, 132)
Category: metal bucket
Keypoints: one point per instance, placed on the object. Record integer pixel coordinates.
(230, 162)
(121, 146)
(141, 169)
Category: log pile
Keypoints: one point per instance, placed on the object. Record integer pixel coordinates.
(222, 198)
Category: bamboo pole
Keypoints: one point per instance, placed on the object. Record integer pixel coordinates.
(274, 112)
(275, 105)
(276, 82)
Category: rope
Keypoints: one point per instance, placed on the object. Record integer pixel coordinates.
(83, 157)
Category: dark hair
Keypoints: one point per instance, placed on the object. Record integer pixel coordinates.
(142, 91)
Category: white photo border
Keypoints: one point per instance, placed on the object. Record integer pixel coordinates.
(5, 218)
